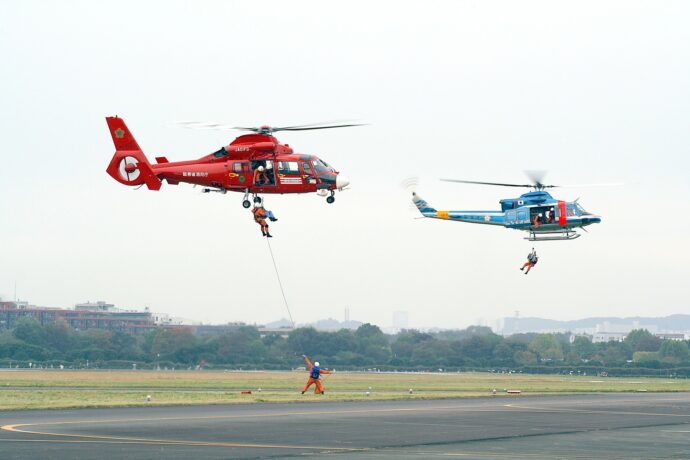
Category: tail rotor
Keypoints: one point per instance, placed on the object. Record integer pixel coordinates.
(410, 186)
(128, 169)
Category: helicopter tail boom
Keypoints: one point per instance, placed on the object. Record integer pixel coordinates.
(129, 165)
(423, 206)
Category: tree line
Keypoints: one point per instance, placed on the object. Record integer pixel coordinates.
(365, 348)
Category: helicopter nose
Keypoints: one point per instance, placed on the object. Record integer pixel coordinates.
(341, 182)
(591, 219)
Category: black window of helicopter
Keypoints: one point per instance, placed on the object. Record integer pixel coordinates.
(220, 153)
(320, 166)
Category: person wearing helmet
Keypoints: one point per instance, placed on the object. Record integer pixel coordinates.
(532, 260)
(315, 372)
(260, 215)
(260, 176)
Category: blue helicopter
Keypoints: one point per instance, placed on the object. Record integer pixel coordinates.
(536, 212)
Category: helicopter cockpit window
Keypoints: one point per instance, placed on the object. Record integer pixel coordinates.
(570, 210)
(220, 153)
(579, 210)
(320, 166)
(288, 167)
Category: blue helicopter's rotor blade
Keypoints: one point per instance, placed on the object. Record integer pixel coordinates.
(610, 184)
(500, 184)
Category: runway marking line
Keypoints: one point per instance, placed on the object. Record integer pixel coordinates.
(127, 440)
(16, 427)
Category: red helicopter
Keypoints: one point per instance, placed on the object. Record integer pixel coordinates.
(254, 164)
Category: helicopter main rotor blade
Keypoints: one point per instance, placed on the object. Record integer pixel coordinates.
(258, 129)
(610, 184)
(318, 127)
(205, 125)
(487, 183)
(319, 123)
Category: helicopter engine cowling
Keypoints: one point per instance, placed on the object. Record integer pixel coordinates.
(264, 146)
(508, 204)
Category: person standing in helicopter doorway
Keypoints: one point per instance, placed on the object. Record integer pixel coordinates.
(314, 373)
(532, 260)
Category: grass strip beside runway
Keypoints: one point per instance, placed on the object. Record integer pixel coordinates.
(78, 389)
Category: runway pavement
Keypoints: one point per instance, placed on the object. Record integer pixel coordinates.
(612, 426)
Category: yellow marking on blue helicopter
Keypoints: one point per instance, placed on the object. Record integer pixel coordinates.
(442, 214)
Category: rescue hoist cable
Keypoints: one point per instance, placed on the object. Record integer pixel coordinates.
(280, 283)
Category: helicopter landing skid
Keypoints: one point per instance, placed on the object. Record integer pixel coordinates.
(560, 235)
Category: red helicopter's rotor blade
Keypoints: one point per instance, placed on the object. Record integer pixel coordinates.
(319, 127)
(321, 123)
(205, 125)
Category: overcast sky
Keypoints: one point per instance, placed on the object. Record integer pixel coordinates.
(591, 91)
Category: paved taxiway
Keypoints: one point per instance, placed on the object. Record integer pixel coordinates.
(613, 426)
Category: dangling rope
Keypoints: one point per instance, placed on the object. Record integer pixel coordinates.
(280, 283)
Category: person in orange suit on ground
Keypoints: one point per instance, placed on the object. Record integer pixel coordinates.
(314, 373)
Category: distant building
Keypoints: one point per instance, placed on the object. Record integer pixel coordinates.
(599, 337)
(284, 332)
(98, 315)
(671, 336)
(95, 306)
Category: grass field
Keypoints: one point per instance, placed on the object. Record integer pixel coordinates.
(70, 389)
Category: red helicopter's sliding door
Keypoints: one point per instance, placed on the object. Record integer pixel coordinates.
(290, 178)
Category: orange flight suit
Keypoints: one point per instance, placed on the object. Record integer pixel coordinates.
(260, 218)
(260, 177)
(317, 382)
(529, 264)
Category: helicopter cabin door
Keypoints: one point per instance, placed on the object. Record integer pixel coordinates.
(542, 215)
(289, 176)
(239, 174)
(263, 176)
